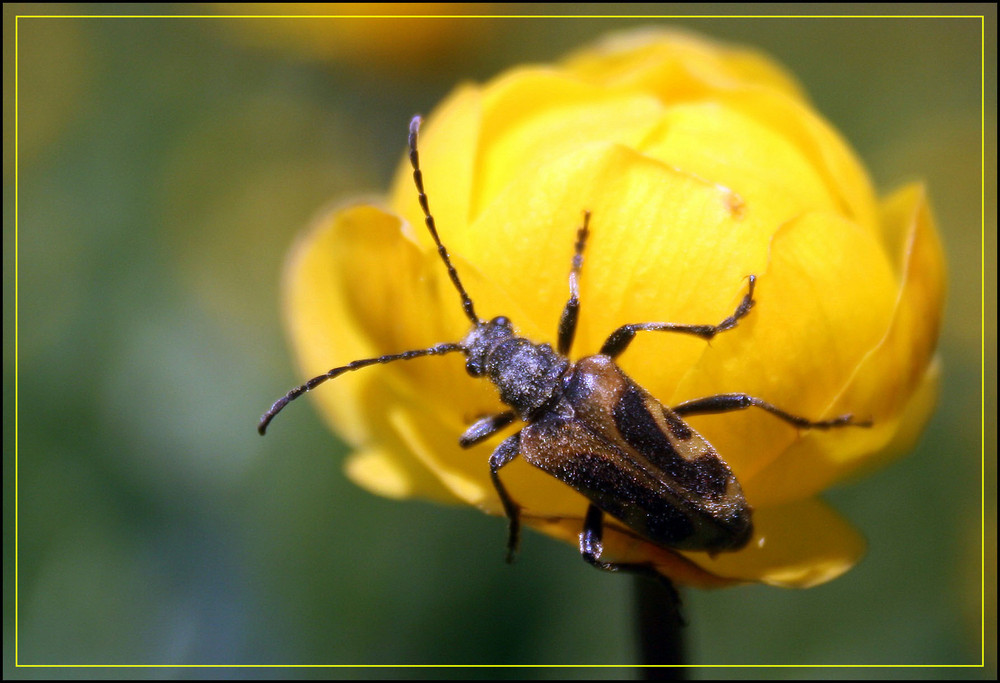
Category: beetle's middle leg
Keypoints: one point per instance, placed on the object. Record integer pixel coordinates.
(619, 340)
(505, 452)
(723, 403)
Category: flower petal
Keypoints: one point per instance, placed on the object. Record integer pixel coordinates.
(333, 321)
(623, 547)
(642, 213)
(891, 383)
(818, 141)
(825, 294)
(897, 365)
(449, 152)
(817, 460)
(525, 115)
(771, 178)
(797, 545)
(676, 65)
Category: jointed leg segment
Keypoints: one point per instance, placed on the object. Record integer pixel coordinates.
(482, 429)
(505, 452)
(592, 547)
(567, 321)
(723, 403)
(622, 337)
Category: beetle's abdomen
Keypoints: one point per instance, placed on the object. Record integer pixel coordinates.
(638, 461)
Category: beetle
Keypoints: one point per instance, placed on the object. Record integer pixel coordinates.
(591, 426)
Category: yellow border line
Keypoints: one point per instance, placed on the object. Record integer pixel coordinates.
(982, 338)
(982, 655)
(17, 298)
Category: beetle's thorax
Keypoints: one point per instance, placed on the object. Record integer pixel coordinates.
(526, 374)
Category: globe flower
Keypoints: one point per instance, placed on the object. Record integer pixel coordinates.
(700, 164)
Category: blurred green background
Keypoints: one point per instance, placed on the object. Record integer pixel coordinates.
(165, 165)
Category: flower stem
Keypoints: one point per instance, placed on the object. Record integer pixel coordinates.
(660, 629)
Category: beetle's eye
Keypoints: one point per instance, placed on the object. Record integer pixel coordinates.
(474, 366)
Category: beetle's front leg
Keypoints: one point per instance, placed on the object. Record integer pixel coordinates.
(505, 452)
(567, 321)
(480, 430)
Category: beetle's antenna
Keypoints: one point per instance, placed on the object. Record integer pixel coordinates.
(418, 180)
(436, 350)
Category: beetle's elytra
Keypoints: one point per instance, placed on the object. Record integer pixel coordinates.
(592, 427)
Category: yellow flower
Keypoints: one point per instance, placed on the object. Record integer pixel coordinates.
(700, 164)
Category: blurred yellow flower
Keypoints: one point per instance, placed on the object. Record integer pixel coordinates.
(394, 36)
(701, 164)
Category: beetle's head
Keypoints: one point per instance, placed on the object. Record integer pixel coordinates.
(481, 340)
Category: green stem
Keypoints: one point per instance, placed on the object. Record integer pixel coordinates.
(660, 629)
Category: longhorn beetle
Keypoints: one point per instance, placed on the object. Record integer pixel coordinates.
(592, 427)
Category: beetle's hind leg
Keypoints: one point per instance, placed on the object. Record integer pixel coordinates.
(592, 547)
(723, 403)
